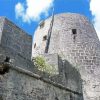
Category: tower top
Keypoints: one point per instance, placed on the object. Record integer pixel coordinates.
(58, 25)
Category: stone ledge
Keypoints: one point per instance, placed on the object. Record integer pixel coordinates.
(31, 74)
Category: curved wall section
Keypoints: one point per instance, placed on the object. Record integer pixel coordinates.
(74, 38)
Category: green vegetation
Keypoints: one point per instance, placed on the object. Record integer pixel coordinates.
(41, 64)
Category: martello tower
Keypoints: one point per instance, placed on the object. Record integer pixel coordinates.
(73, 38)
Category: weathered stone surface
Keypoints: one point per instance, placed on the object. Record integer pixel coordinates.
(17, 59)
(80, 49)
(74, 50)
(52, 60)
(27, 82)
(17, 85)
(15, 38)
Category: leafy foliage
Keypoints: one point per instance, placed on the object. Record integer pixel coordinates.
(41, 64)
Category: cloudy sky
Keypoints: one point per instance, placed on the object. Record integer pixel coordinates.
(28, 13)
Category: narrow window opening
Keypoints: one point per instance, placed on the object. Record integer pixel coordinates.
(42, 24)
(35, 45)
(74, 31)
(44, 37)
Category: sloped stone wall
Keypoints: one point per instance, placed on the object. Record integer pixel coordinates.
(15, 38)
(19, 84)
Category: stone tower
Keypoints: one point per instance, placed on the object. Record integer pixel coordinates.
(20, 79)
(74, 39)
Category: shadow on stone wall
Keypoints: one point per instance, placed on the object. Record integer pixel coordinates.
(68, 76)
(72, 77)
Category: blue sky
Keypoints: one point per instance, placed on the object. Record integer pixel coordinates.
(15, 10)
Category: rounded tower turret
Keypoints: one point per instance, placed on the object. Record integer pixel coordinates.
(74, 38)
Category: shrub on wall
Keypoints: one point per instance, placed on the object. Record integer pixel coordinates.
(41, 64)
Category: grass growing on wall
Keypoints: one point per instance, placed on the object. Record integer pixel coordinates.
(41, 64)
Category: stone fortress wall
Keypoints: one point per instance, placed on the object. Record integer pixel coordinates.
(15, 39)
(21, 80)
(15, 43)
(75, 40)
(74, 49)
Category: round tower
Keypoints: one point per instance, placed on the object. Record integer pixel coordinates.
(73, 38)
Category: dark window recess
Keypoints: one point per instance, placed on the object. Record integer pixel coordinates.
(56, 98)
(4, 68)
(35, 45)
(71, 98)
(7, 59)
(42, 24)
(74, 31)
(44, 37)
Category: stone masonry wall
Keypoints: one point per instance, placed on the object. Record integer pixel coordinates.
(16, 44)
(65, 74)
(22, 85)
(38, 41)
(26, 82)
(16, 39)
(81, 49)
(17, 59)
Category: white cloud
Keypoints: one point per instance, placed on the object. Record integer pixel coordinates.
(31, 10)
(95, 9)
